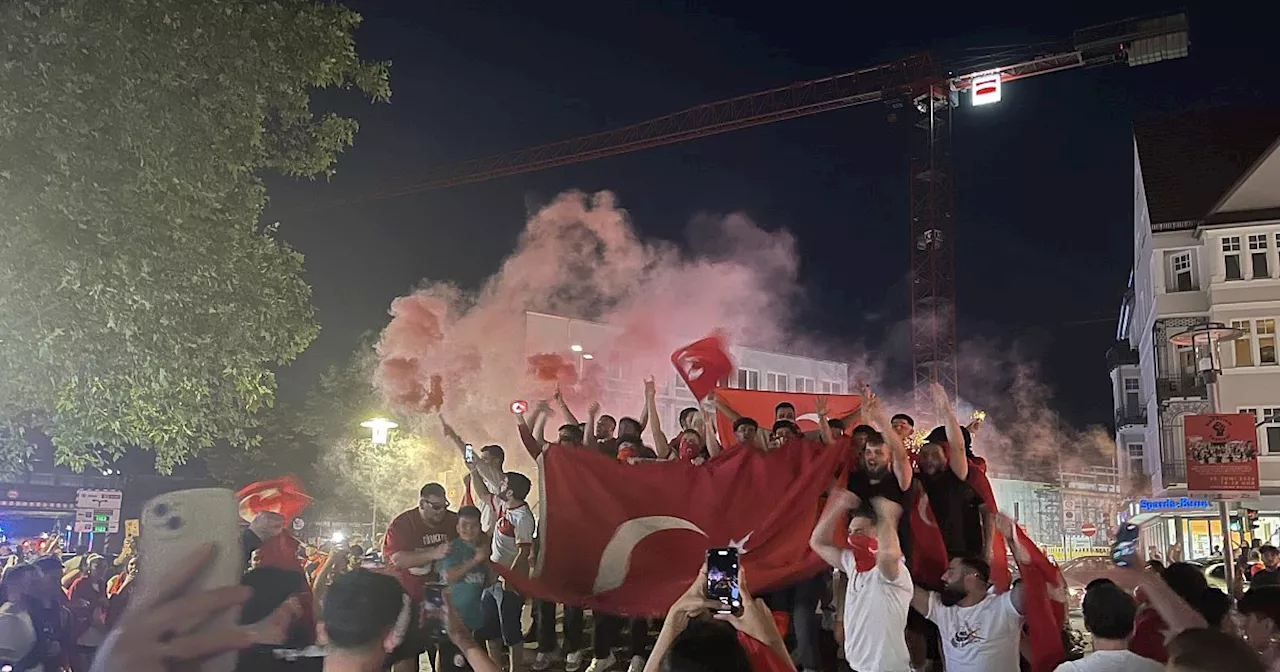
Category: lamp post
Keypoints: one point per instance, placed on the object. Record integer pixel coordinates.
(1204, 340)
(379, 430)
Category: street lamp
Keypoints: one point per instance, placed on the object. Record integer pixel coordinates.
(1204, 340)
(575, 347)
(379, 428)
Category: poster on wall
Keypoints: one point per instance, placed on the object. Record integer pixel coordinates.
(1222, 455)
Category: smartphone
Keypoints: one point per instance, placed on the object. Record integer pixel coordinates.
(435, 615)
(722, 579)
(1124, 550)
(469, 455)
(176, 524)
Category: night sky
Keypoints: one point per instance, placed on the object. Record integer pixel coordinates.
(1044, 186)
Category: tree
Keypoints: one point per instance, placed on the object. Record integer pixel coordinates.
(141, 302)
(353, 474)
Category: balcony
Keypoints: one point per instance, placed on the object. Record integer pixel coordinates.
(1185, 386)
(1121, 354)
(1173, 472)
(1130, 417)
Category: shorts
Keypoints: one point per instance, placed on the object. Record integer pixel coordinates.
(503, 610)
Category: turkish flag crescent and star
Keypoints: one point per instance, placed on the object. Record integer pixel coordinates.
(702, 364)
(760, 405)
(284, 496)
(628, 539)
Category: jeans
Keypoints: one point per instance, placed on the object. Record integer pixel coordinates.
(544, 619)
(502, 611)
(805, 622)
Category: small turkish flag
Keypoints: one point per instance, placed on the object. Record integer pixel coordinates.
(702, 364)
(284, 496)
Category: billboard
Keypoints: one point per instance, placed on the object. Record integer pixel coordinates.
(1222, 455)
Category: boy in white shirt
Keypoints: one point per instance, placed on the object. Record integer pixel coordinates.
(879, 588)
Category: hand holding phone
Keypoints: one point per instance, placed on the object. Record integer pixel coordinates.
(722, 580)
(435, 614)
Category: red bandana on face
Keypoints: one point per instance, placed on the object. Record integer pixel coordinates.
(864, 551)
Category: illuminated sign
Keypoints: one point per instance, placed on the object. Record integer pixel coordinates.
(985, 89)
(1173, 504)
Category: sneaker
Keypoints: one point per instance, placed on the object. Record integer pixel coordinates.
(573, 661)
(637, 664)
(603, 664)
(544, 660)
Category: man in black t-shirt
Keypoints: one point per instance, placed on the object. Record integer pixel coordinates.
(956, 506)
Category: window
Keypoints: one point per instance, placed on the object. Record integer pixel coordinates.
(1135, 458)
(1181, 278)
(1231, 258)
(1266, 342)
(1257, 343)
(1243, 346)
(1268, 429)
(777, 382)
(1258, 255)
(831, 387)
(748, 379)
(1131, 395)
(804, 384)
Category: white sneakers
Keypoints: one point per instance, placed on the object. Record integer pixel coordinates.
(544, 661)
(573, 661)
(637, 664)
(603, 664)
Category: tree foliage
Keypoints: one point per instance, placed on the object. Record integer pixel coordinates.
(141, 303)
(353, 474)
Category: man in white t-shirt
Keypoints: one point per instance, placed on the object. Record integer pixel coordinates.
(980, 631)
(1109, 613)
(879, 587)
(512, 545)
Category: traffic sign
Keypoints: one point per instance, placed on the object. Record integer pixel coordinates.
(87, 498)
(1088, 529)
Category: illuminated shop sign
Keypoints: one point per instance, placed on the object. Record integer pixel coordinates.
(1173, 504)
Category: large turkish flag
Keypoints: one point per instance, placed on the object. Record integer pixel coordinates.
(627, 539)
(760, 404)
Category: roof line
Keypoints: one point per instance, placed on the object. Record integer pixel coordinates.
(746, 347)
(1245, 176)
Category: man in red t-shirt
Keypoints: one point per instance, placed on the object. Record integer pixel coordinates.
(415, 541)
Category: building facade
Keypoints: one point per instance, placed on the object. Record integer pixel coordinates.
(623, 384)
(1206, 213)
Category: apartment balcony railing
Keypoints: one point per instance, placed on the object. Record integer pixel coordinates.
(1173, 470)
(1121, 354)
(1129, 417)
(1180, 386)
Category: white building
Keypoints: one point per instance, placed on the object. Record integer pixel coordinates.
(1206, 234)
(624, 388)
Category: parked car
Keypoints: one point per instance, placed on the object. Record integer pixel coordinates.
(1079, 571)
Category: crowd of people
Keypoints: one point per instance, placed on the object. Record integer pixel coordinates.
(436, 586)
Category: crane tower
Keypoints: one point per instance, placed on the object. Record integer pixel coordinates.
(918, 86)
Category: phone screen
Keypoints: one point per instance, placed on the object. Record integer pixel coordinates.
(435, 615)
(1124, 551)
(722, 579)
(470, 455)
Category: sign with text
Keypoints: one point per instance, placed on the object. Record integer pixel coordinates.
(98, 499)
(1222, 455)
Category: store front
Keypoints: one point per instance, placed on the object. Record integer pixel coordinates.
(1195, 526)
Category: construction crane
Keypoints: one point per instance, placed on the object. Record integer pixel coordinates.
(918, 86)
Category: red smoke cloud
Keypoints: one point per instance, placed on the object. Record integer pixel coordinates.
(580, 257)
